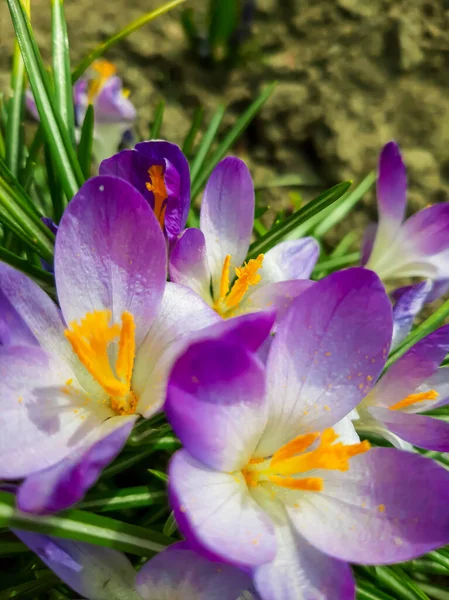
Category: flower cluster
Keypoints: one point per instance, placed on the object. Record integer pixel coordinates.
(273, 383)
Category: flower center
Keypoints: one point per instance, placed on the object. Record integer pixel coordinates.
(103, 71)
(247, 275)
(157, 186)
(414, 398)
(91, 339)
(291, 460)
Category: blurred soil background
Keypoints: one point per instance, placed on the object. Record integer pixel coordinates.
(351, 76)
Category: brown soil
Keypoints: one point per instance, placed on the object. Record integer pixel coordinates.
(351, 76)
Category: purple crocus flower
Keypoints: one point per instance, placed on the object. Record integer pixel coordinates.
(103, 574)
(209, 260)
(273, 476)
(75, 380)
(418, 247)
(412, 385)
(160, 171)
(113, 111)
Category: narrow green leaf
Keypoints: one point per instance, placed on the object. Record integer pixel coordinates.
(61, 68)
(23, 198)
(344, 244)
(54, 186)
(122, 34)
(424, 565)
(159, 475)
(56, 134)
(31, 589)
(368, 591)
(205, 144)
(84, 527)
(86, 141)
(15, 108)
(277, 233)
(235, 132)
(289, 180)
(9, 547)
(434, 591)
(122, 499)
(189, 140)
(26, 175)
(439, 556)
(223, 21)
(157, 121)
(338, 262)
(43, 278)
(170, 525)
(399, 583)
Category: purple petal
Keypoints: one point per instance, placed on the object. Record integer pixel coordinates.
(427, 231)
(391, 185)
(181, 316)
(300, 571)
(216, 510)
(294, 259)
(132, 166)
(91, 571)
(326, 355)
(275, 296)
(40, 424)
(183, 571)
(413, 368)
(188, 263)
(66, 483)
(112, 106)
(177, 182)
(439, 382)
(227, 216)
(31, 105)
(368, 243)
(424, 432)
(390, 506)
(213, 389)
(409, 302)
(110, 254)
(13, 329)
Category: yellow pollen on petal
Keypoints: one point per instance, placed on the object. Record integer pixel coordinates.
(90, 340)
(103, 70)
(157, 186)
(247, 275)
(414, 398)
(295, 458)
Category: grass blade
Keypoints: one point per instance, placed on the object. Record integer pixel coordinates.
(86, 141)
(56, 193)
(122, 34)
(122, 499)
(235, 132)
(56, 134)
(84, 527)
(205, 145)
(15, 108)
(277, 233)
(61, 68)
(43, 278)
(157, 122)
(191, 134)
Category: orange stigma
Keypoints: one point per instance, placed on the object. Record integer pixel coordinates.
(414, 398)
(157, 186)
(247, 275)
(293, 458)
(103, 70)
(91, 339)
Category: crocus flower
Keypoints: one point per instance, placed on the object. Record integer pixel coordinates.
(210, 260)
(412, 385)
(273, 477)
(75, 380)
(160, 171)
(177, 573)
(418, 247)
(113, 111)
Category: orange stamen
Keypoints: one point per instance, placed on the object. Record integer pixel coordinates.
(247, 275)
(90, 340)
(157, 186)
(414, 398)
(103, 71)
(311, 484)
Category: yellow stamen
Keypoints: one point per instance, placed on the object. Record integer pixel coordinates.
(413, 398)
(224, 281)
(103, 71)
(291, 460)
(157, 186)
(90, 340)
(247, 275)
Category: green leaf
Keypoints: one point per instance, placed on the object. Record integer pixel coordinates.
(439, 556)
(434, 591)
(368, 591)
(189, 140)
(277, 233)
(288, 180)
(56, 133)
(61, 68)
(396, 581)
(170, 525)
(84, 527)
(122, 34)
(31, 589)
(223, 22)
(235, 132)
(122, 499)
(205, 144)
(157, 121)
(159, 475)
(338, 262)
(43, 278)
(86, 141)
(15, 108)
(54, 186)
